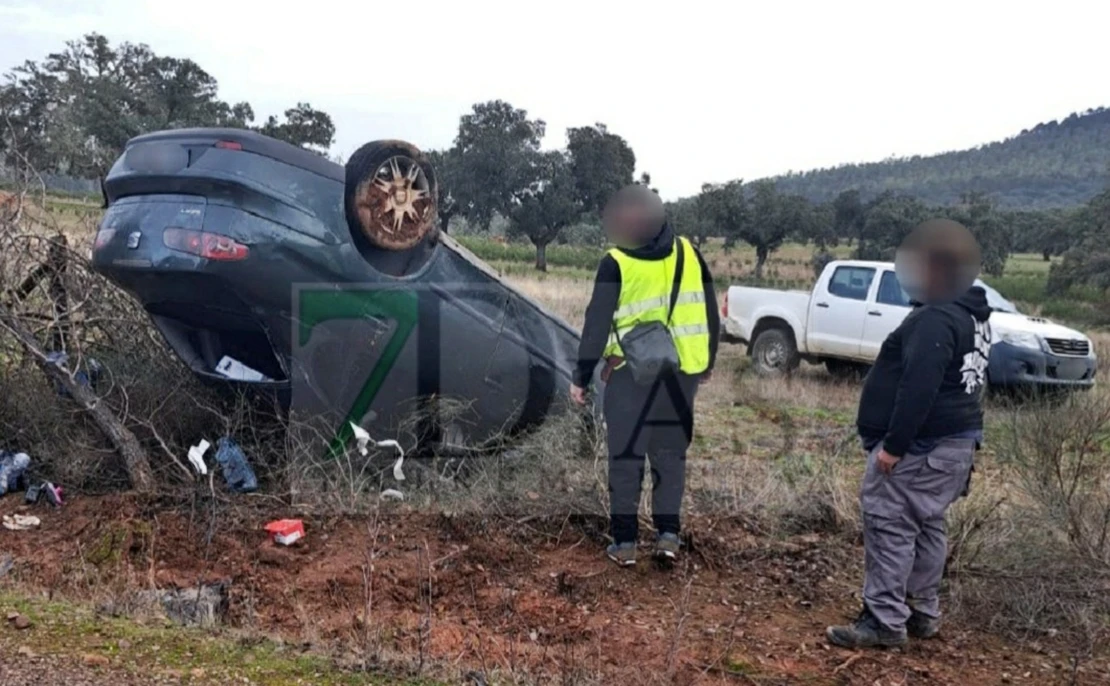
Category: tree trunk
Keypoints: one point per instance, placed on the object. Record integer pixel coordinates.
(761, 254)
(541, 256)
(1047, 255)
(134, 457)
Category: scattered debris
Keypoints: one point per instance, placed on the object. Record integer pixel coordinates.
(19, 621)
(53, 493)
(233, 463)
(234, 369)
(362, 437)
(286, 531)
(12, 466)
(83, 378)
(196, 456)
(25, 651)
(200, 606)
(6, 564)
(392, 494)
(20, 522)
(36, 492)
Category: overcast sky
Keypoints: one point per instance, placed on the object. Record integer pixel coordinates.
(703, 91)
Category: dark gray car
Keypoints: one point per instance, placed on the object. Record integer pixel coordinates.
(239, 248)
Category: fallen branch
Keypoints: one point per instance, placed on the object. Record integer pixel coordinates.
(122, 439)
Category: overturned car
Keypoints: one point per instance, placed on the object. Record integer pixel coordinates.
(268, 266)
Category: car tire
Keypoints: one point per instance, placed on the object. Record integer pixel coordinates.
(774, 353)
(391, 195)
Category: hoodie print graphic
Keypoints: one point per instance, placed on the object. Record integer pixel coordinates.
(974, 369)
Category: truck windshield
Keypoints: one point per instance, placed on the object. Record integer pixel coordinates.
(995, 299)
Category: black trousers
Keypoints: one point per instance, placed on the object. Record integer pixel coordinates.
(654, 422)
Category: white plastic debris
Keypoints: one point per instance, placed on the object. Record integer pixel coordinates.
(196, 456)
(234, 369)
(20, 522)
(392, 494)
(363, 439)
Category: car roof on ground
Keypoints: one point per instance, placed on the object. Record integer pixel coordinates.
(252, 142)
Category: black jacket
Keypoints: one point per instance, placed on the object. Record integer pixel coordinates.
(607, 290)
(928, 378)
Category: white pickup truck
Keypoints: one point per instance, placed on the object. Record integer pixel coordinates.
(856, 304)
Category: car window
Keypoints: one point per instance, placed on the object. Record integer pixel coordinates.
(890, 291)
(851, 282)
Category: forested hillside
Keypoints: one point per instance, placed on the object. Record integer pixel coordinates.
(1055, 164)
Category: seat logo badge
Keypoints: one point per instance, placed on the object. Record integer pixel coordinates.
(133, 239)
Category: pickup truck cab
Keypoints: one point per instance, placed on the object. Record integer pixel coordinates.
(855, 304)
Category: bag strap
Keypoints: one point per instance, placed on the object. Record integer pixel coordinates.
(680, 246)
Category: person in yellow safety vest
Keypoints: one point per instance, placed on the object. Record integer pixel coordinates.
(634, 286)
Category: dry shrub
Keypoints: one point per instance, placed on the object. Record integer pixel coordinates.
(556, 469)
(142, 383)
(1032, 545)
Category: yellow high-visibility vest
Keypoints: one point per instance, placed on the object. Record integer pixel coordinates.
(646, 296)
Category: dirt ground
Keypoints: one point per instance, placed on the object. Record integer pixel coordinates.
(512, 598)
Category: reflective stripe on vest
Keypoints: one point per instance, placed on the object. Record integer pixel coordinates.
(662, 301)
(646, 296)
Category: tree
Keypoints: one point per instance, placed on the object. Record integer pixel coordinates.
(772, 218)
(848, 216)
(497, 147)
(724, 208)
(304, 125)
(978, 213)
(550, 203)
(887, 220)
(1088, 262)
(690, 218)
(446, 163)
(73, 112)
(602, 163)
(645, 180)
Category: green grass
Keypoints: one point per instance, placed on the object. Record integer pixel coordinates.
(579, 257)
(71, 631)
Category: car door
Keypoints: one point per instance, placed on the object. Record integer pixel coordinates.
(885, 311)
(838, 309)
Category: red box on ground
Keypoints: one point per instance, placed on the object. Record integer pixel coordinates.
(286, 531)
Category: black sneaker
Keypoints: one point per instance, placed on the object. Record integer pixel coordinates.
(922, 626)
(865, 632)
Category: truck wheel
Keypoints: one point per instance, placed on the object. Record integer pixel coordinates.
(774, 352)
(391, 194)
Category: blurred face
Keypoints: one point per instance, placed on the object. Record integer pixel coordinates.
(623, 224)
(632, 217)
(937, 262)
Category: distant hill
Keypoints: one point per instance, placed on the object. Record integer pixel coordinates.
(1056, 164)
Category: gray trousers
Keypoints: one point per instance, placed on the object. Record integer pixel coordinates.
(647, 421)
(904, 536)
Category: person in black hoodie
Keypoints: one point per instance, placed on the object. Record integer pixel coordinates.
(921, 421)
(641, 421)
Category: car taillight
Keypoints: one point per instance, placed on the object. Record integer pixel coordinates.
(229, 145)
(211, 246)
(102, 238)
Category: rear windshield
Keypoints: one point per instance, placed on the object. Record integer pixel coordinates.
(321, 195)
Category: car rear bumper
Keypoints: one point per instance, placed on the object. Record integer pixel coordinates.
(1013, 366)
